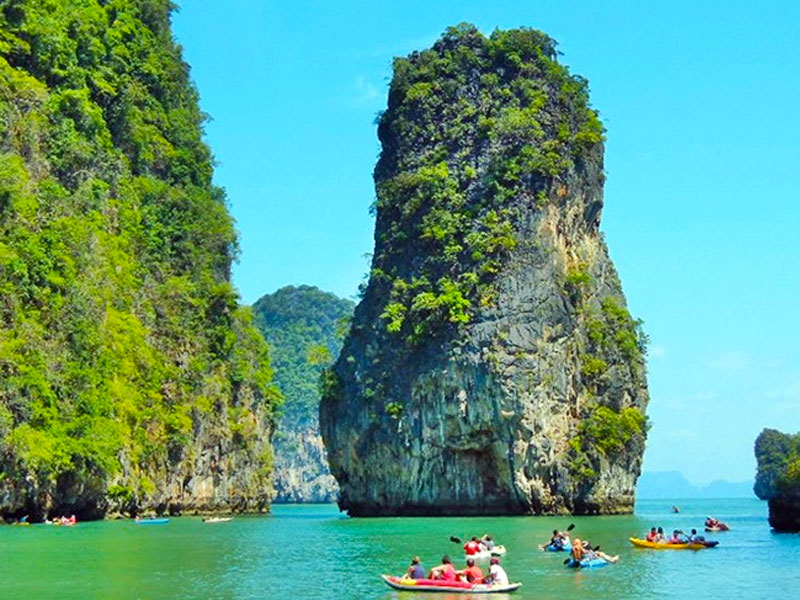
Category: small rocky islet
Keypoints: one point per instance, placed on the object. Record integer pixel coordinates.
(778, 477)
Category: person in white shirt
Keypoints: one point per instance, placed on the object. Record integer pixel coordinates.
(497, 574)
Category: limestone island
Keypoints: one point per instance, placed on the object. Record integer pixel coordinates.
(778, 477)
(492, 366)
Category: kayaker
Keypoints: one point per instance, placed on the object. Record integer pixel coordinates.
(487, 542)
(472, 574)
(660, 537)
(445, 571)
(416, 570)
(651, 537)
(712, 523)
(696, 539)
(676, 538)
(472, 547)
(497, 574)
(577, 550)
(560, 539)
(592, 553)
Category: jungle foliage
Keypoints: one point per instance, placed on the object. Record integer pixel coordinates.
(778, 457)
(473, 125)
(119, 330)
(304, 327)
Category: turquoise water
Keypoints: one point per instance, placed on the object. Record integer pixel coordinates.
(312, 552)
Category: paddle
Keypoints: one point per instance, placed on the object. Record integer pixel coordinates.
(455, 540)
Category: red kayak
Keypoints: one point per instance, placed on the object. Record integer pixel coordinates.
(437, 585)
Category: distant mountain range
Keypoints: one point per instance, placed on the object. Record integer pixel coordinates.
(672, 484)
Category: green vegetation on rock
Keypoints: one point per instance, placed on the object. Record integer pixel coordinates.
(471, 123)
(778, 457)
(121, 336)
(304, 327)
(604, 432)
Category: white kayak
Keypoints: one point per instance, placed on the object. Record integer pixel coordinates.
(485, 555)
(217, 519)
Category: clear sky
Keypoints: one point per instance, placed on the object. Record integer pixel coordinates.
(702, 215)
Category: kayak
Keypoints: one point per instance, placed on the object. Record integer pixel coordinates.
(437, 585)
(217, 519)
(716, 528)
(587, 563)
(161, 521)
(485, 555)
(640, 543)
(551, 548)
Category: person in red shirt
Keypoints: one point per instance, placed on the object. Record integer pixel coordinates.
(651, 537)
(445, 571)
(472, 574)
(472, 547)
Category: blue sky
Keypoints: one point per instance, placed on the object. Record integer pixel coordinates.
(702, 198)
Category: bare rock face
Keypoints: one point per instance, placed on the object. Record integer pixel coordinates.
(492, 366)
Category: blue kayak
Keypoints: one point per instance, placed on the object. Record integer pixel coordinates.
(162, 521)
(587, 563)
(554, 548)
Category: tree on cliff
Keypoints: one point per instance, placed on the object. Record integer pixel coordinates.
(126, 366)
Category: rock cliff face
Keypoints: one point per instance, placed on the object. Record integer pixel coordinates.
(492, 367)
(778, 477)
(130, 379)
(304, 327)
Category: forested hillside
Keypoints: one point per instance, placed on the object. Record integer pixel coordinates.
(304, 327)
(129, 375)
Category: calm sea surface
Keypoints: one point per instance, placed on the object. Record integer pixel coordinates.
(313, 552)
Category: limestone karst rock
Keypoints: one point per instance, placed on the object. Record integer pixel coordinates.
(130, 379)
(778, 477)
(492, 366)
(304, 327)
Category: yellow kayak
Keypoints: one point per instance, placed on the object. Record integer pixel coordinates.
(640, 543)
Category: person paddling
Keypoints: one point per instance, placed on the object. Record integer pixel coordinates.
(472, 547)
(676, 538)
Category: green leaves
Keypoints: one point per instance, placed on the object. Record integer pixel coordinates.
(474, 126)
